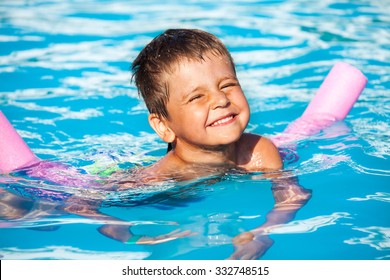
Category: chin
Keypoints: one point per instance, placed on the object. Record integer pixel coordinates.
(230, 139)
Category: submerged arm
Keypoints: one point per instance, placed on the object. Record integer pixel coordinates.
(289, 197)
(113, 227)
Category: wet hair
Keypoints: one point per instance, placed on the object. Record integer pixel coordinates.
(159, 58)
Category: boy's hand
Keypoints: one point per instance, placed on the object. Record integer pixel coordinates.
(249, 247)
(122, 233)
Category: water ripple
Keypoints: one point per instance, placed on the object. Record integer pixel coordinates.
(309, 225)
(65, 65)
(38, 222)
(378, 196)
(68, 253)
(378, 238)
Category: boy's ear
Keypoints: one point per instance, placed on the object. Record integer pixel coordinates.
(160, 126)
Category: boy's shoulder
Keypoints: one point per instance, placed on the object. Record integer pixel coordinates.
(258, 153)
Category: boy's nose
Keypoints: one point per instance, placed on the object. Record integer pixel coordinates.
(220, 100)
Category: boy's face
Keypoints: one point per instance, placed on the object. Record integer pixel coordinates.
(206, 106)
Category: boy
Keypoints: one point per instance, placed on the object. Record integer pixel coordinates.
(188, 81)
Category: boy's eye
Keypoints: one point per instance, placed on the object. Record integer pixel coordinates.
(195, 97)
(229, 85)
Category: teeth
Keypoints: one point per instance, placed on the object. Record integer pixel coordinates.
(222, 121)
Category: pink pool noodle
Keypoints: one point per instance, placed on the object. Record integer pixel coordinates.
(338, 92)
(14, 152)
(332, 102)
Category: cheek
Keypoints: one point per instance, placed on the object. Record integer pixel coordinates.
(189, 118)
(245, 110)
(242, 102)
(200, 112)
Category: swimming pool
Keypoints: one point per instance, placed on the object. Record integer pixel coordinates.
(65, 87)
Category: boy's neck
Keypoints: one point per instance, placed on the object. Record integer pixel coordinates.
(223, 155)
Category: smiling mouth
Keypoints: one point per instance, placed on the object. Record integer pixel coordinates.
(223, 121)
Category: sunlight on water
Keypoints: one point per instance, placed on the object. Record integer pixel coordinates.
(65, 86)
(69, 253)
(378, 238)
(385, 197)
(309, 225)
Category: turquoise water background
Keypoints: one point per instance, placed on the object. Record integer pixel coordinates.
(65, 86)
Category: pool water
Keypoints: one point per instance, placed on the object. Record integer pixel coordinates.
(65, 86)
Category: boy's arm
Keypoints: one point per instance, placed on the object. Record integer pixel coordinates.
(113, 227)
(289, 198)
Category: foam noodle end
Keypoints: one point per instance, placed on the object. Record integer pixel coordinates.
(332, 102)
(337, 93)
(14, 152)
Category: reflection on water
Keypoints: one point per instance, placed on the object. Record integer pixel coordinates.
(69, 253)
(378, 238)
(385, 197)
(309, 225)
(65, 85)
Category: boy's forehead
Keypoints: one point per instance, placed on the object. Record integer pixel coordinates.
(189, 74)
(185, 61)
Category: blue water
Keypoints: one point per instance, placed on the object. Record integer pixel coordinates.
(65, 86)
